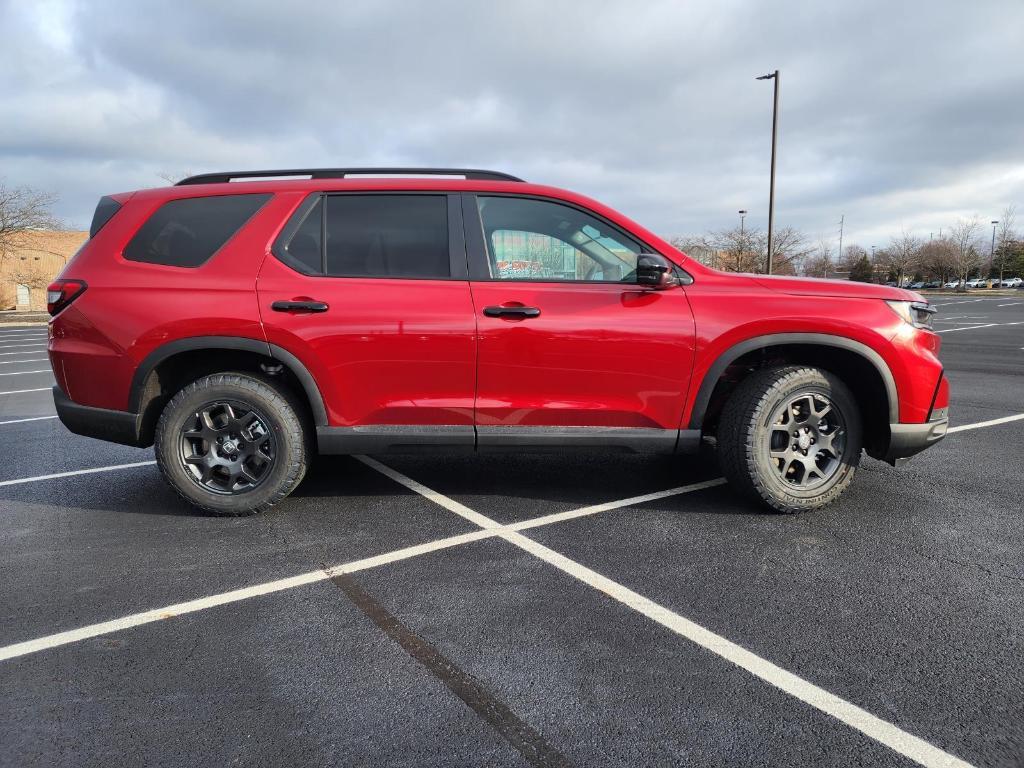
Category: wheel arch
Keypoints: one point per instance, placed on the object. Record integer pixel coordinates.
(837, 353)
(166, 367)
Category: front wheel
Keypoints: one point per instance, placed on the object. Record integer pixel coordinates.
(232, 444)
(790, 437)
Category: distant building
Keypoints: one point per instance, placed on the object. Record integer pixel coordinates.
(31, 265)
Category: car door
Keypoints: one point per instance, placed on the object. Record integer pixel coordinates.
(571, 350)
(369, 290)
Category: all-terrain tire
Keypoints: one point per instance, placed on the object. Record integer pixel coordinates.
(284, 419)
(745, 437)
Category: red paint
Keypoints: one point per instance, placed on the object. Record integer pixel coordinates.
(393, 351)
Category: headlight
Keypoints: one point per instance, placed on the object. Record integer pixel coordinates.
(917, 313)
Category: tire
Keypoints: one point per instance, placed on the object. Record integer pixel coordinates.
(772, 448)
(268, 444)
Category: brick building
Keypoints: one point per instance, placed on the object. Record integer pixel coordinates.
(31, 264)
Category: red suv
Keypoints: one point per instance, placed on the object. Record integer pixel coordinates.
(241, 321)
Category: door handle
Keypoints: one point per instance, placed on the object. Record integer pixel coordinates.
(299, 306)
(512, 312)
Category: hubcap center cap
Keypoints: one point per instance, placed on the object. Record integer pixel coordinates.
(804, 441)
(229, 446)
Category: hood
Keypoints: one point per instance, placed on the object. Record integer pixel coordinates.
(847, 289)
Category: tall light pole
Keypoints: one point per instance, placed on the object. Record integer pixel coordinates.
(743, 215)
(992, 252)
(771, 193)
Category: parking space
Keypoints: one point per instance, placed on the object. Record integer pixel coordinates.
(649, 618)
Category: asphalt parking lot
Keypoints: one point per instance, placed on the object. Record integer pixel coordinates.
(511, 610)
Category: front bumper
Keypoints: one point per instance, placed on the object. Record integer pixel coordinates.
(113, 426)
(905, 440)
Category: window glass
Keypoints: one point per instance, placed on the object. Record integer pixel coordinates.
(540, 240)
(186, 233)
(303, 251)
(387, 236)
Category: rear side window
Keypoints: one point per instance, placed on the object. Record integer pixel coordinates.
(105, 210)
(387, 236)
(186, 233)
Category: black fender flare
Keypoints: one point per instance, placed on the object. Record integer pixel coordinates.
(707, 386)
(240, 343)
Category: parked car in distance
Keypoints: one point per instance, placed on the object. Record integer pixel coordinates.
(1012, 282)
(975, 283)
(933, 284)
(241, 322)
(952, 284)
(917, 286)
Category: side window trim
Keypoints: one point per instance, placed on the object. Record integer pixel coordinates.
(280, 247)
(457, 250)
(476, 243)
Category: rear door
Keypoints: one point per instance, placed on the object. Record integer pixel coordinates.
(369, 290)
(571, 350)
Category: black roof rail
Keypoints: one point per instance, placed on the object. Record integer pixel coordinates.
(340, 173)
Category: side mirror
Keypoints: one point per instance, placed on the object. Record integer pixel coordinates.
(656, 272)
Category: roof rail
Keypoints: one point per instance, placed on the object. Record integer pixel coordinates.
(340, 173)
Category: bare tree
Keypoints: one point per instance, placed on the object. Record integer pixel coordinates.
(790, 248)
(851, 255)
(938, 257)
(22, 210)
(173, 178)
(901, 255)
(964, 237)
(1006, 236)
(820, 264)
(698, 247)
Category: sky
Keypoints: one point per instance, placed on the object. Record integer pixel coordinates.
(895, 115)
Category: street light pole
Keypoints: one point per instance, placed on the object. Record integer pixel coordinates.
(771, 193)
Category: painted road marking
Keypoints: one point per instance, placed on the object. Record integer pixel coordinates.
(34, 418)
(20, 353)
(976, 327)
(989, 423)
(884, 732)
(1011, 304)
(20, 391)
(13, 346)
(235, 595)
(32, 360)
(23, 373)
(951, 303)
(76, 472)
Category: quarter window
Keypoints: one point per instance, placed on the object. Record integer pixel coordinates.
(187, 232)
(539, 240)
(387, 236)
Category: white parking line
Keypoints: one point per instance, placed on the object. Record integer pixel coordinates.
(33, 352)
(73, 473)
(1011, 304)
(20, 391)
(14, 346)
(989, 423)
(23, 373)
(32, 360)
(235, 595)
(951, 303)
(33, 418)
(895, 738)
(976, 327)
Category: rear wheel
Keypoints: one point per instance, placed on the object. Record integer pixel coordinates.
(232, 444)
(790, 437)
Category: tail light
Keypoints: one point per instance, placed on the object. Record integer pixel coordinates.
(61, 293)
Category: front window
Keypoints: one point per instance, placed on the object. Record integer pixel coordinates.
(531, 239)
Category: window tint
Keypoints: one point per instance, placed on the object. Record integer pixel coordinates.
(387, 236)
(303, 251)
(186, 233)
(540, 240)
(105, 210)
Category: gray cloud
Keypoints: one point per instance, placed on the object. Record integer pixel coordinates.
(896, 115)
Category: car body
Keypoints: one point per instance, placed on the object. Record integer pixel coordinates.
(975, 283)
(952, 284)
(474, 311)
(1012, 282)
(917, 286)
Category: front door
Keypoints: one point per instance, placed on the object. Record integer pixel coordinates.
(370, 292)
(571, 349)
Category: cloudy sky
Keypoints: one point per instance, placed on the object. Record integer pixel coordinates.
(894, 114)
